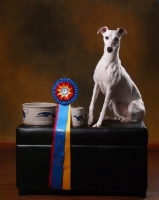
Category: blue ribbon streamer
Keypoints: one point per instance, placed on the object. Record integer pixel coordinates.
(59, 146)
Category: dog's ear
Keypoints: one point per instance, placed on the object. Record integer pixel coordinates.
(121, 30)
(102, 30)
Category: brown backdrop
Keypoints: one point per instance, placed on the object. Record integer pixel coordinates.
(44, 40)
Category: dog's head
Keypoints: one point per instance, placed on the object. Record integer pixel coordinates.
(111, 37)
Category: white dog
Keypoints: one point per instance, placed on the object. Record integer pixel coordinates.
(122, 96)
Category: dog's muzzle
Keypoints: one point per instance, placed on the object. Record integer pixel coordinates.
(109, 49)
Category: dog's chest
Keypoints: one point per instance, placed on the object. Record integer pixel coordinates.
(107, 74)
(104, 75)
(102, 79)
(101, 74)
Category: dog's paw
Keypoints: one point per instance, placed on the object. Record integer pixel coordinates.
(89, 123)
(124, 119)
(96, 125)
(106, 118)
(90, 120)
(109, 118)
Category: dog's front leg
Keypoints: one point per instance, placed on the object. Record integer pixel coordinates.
(91, 107)
(105, 105)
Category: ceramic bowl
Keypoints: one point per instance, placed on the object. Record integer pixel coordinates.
(38, 113)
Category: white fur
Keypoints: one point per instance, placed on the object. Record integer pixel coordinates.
(122, 96)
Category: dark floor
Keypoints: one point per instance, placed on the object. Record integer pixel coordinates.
(8, 190)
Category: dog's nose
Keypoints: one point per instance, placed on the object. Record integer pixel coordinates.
(109, 49)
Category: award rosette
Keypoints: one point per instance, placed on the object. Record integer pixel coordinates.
(64, 92)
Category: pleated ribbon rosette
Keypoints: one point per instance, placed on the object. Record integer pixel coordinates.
(64, 92)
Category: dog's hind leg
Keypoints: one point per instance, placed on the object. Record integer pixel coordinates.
(136, 111)
(96, 91)
(120, 110)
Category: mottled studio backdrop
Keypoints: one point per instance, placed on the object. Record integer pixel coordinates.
(44, 40)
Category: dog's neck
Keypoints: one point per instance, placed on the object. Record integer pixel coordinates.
(111, 57)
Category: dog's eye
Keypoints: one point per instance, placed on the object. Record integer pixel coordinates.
(116, 39)
(106, 37)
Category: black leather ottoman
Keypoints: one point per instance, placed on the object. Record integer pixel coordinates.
(109, 159)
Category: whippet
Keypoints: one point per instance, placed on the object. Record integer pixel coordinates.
(122, 96)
